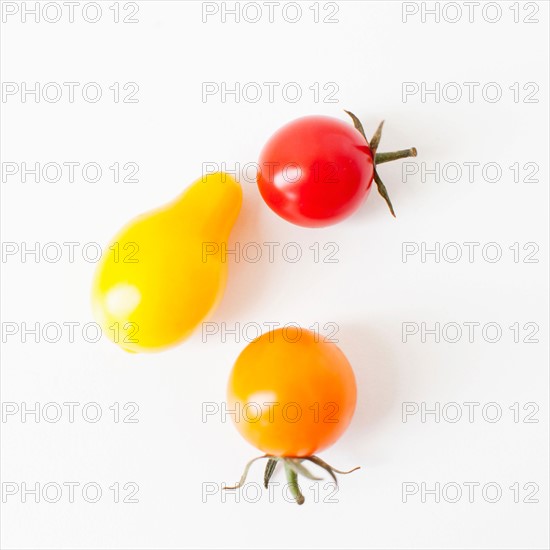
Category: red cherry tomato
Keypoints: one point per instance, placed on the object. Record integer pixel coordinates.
(315, 171)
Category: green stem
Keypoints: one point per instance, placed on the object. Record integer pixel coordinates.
(358, 125)
(383, 191)
(292, 479)
(380, 158)
(269, 469)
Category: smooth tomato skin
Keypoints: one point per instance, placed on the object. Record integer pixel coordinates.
(315, 171)
(310, 385)
(161, 286)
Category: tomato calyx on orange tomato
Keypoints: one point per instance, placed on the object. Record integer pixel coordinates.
(293, 468)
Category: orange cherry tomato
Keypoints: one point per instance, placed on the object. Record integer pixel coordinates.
(294, 393)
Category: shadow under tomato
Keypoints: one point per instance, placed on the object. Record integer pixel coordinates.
(375, 371)
(245, 281)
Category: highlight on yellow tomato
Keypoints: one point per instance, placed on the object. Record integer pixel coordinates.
(167, 269)
(294, 394)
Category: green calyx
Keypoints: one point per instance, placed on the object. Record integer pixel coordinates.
(293, 468)
(380, 158)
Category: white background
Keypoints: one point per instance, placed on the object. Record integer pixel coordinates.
(170, 452)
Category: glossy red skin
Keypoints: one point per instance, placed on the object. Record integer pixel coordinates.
(336, 171)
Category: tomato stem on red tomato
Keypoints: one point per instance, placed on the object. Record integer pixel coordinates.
(380, 158)
(358, 125)
(375, 140)
(383, 192)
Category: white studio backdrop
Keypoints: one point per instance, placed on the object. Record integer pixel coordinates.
(467, 84)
